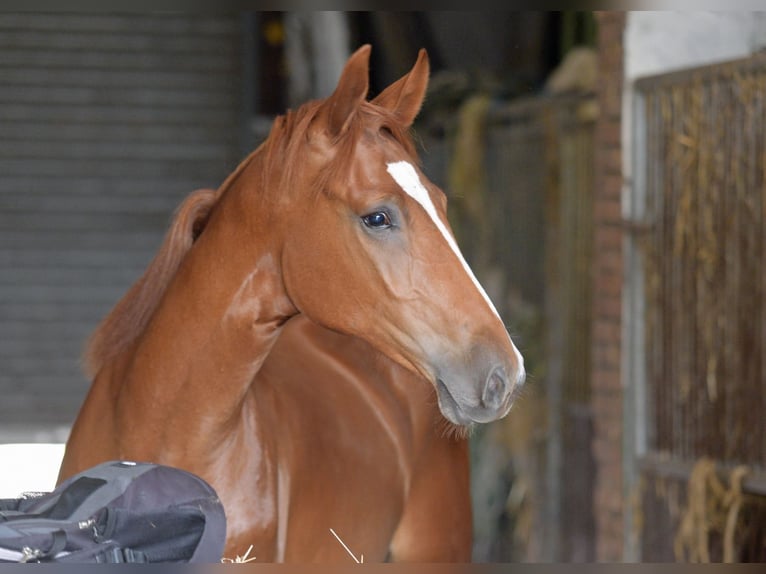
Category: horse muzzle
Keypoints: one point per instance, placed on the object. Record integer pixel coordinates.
(491, 401)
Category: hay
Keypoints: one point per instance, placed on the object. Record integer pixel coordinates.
(244, 559)
(705, 264)
(359, 560)
(467, 180)
(712, 508)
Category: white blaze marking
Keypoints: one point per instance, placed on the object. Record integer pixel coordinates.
(407, 178)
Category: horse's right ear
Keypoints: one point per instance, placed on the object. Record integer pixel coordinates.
(405, 96)
(338, 109)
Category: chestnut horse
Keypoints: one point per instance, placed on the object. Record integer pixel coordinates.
(277, 344)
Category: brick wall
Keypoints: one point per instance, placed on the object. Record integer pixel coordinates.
(607, 292)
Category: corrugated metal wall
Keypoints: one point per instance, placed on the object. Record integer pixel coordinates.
(106, 122)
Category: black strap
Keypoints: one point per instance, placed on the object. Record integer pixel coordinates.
(9, 504)
(67, 503)
(74, 495)
(57, 545)
(120, 556)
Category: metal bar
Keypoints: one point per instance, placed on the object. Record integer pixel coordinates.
(754, 483)
(709, 72)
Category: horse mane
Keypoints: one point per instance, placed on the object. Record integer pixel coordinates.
(131, 314)
(281, 154)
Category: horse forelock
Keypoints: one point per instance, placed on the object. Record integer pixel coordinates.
(292, 132)
(374, 119)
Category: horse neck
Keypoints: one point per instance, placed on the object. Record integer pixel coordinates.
(209, 335)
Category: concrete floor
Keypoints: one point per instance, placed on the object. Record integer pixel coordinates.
(30, 458)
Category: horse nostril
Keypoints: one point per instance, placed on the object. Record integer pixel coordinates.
(496, 389)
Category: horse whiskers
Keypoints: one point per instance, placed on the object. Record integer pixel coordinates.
(452, 431)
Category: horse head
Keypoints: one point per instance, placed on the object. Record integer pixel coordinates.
(364, 247)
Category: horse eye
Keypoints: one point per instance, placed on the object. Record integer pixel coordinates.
(377, 220)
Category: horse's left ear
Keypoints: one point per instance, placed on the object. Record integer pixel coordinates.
(339, 108)
(405, 96)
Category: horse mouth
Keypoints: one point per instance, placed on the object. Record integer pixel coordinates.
(465, 416)
(450, 407)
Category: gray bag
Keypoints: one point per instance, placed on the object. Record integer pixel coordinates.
(116, 512)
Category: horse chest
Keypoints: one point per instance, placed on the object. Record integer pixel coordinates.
(314, 475)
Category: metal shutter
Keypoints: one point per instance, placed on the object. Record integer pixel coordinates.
(106, 123)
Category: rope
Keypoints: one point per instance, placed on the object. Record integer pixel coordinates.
(711, 508)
